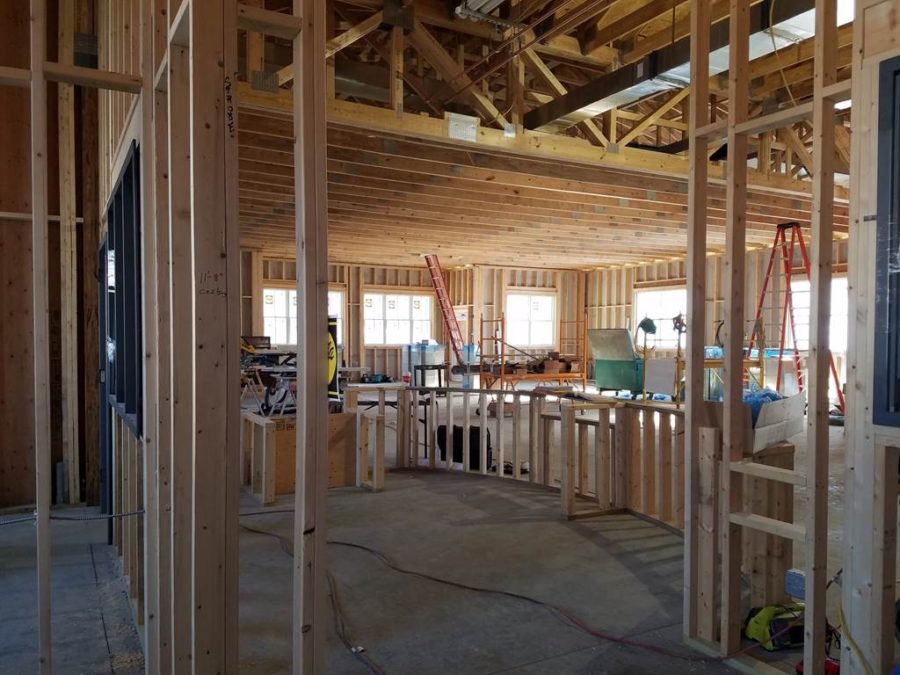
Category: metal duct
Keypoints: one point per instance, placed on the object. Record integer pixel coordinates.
(669, 68)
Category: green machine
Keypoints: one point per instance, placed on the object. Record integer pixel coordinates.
(616, 363)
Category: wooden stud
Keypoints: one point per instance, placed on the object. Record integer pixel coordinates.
(708, 539)
(499, 412)
(517, 436)
(583, 480)
(68, 257)
(378, 459)
(397, 47)
(648, 463)
(733, 428)
(466, 425)
(483, 431)
(567, 455)
(819, 361)
(216, 305)
(620, 463)
(309, 95)
(432, 429)
(40, 284)
(182, 343)
(664, 468)
(448, 434)
(416, 446)
(602, 463)
(696, 308)
(147, 449)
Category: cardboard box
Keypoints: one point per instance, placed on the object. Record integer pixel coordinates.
(777, 421)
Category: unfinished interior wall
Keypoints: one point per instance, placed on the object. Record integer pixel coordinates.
(474, 292)
(16, 320)
(870, 521)
(479, 292)
(610, 291)
(118, 30)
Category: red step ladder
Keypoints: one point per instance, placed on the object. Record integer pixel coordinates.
(786, 248)
(443, 298)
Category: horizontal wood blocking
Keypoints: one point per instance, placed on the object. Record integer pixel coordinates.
(769, 525)
(756, 470)
(70, 74)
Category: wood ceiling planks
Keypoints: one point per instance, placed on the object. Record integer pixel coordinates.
(394, 198)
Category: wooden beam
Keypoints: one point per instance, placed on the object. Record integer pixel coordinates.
(515, 88)
(654, 116)
(842, 148)
(254, 17)
(336, 44)
(351, 35)
(589, 127)
(650, 43)
(311, 233)
(819, 361)
(41, 316)
(71, 74)
(216, 326)
(398, 44)
(90, 244)
(599, 37)
(181, 343)
(15, 77)
(90, 77)
(735, 255)
(150, 472)
(696, 309)
(457, 79)
(789, 137)
(256, 44)
(68, 257)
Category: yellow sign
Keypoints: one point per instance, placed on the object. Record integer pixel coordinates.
(332, 358)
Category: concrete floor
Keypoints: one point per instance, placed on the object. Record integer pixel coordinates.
(619, 574)
(93, 624)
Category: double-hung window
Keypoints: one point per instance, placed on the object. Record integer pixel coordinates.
(397, 318)
(531, 320)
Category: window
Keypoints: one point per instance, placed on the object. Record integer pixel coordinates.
(661, 305)
(800, 294)
(886, 365)
(530, 319)
(280, 315)
(395, 319)
(123, 332)
(336, 308)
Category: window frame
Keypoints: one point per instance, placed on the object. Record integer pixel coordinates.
(804, 347)
(286, 288)
(123, 328)
(382, 291)
(342, 321)
(553, 294)
(636, 318)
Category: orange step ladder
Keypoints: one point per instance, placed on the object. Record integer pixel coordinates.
(443, 298)
(786, 245)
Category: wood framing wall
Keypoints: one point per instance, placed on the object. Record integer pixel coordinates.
(870, 517)
(118, 30)
(474, 291)
(610, 291)
(607, 295)
(16, 300)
